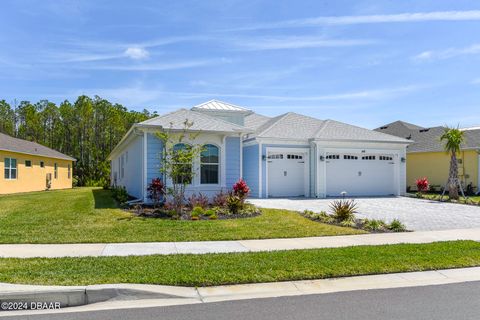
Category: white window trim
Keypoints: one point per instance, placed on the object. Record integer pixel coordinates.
(10, 168)
(219, 175)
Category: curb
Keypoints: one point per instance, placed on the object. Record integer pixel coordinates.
(65, 297)
(130, 296)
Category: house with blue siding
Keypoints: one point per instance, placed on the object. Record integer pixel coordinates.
(291, 155)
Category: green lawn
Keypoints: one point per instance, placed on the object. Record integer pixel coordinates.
(90, 215)
(217, 269)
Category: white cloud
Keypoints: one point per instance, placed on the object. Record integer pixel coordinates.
(376, 94)
(137, 53)
(475, 81)
(154, 66)
(447, 53)
(296, 43)
(367, 19)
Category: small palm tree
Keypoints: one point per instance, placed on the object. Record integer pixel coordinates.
(453, 137)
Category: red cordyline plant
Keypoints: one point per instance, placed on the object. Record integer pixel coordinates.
(156, 191)
(422, 184)
(241, 189)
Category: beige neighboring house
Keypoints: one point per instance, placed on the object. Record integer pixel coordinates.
(28, 166)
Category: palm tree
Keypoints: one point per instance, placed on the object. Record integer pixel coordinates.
(453, 137)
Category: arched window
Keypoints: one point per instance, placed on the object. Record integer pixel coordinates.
(182, 169)
(209, 164)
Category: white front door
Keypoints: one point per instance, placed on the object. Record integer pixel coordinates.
(286, 174)
(360, 174)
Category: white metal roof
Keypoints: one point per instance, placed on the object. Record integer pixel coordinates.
(216, 105)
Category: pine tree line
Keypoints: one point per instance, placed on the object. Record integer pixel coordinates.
(87, 130)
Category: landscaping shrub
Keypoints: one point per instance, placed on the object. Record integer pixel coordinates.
(199, 200)
(397, 226)
(241, 189)
(249, 210)
(213, 217)
(156, 191)
(344, 209)
(234, 203)
(422, 185)
(373, 224)
(209, 212)
(348, 223)
(120, 194)
(220, 199)
(197, 211)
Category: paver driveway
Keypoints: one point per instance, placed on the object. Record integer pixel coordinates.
(416, 214)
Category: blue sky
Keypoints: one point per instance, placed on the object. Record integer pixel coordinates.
(361, 62)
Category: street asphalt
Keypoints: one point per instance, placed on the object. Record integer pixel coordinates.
(452, 301)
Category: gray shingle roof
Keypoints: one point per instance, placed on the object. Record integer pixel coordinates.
(290, 125)
(334, 130)
(8, 143)
(255, 120)
(201, 122)
(428, 139)
(300, 127)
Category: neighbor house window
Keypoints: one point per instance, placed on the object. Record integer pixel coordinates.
(55, 170)
(28, 163)
(183, 170)
(209, 164)
(42, 164)
(10, 168)
(69, 171)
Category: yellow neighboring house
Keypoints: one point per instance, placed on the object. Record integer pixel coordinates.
(426, 156)
(28, 166)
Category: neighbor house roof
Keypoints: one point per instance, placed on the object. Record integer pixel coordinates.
(428, 139)
(217, 105)
(8, 143)
(199, 122)
(296, 126)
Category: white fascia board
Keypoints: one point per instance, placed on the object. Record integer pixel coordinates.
(283, 141)
(406, 142)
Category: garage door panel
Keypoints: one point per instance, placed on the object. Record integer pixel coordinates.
(360, 175)
(286, 174)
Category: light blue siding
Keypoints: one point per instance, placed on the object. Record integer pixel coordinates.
(232, 169)
(132, 156)
(154, 152)
(264, 162)
(250, 168)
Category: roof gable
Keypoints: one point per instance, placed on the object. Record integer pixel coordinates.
(290, 125)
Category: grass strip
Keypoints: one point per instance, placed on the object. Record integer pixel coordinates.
(231, 268)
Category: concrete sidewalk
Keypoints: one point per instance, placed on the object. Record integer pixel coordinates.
(127, 296)
(203, 247)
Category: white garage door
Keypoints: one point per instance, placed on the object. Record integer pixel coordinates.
(360, 174)
(286, 174)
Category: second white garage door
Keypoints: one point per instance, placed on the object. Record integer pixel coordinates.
(360, 174)
(286, 174)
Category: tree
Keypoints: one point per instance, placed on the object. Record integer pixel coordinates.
(454, 139)
(87, 130)
(178, 157)
(7, 118)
